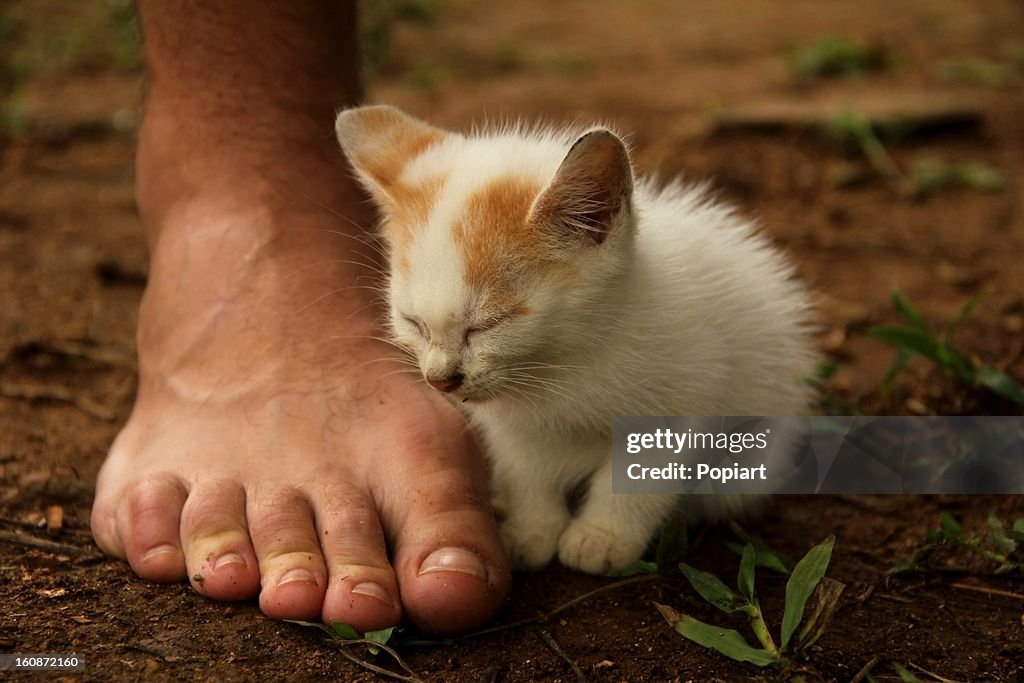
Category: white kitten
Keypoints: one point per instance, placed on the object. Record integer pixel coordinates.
(547, 290)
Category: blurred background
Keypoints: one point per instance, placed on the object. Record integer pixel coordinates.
(880, 144)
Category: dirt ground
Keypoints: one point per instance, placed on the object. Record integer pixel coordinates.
(704, 88)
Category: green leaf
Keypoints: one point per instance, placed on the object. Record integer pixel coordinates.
(965, 311)
(920, 342)
(902, 566)
(1002, 543)
(905, 675)
(1017, 531)
(745, 579)
(712, 589)
(638, 567)
(344, 631)
(1001, 383)
(766, 556)
(951, 529)
(726, 641)
(312, 624)
(801, 585)
(672, 545)
(907, 310)
(382, 636)
(903, 356)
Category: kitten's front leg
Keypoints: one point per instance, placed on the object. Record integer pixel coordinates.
(535, 514)
(612, 531)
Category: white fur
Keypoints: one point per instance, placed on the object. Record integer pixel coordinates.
(683, 310)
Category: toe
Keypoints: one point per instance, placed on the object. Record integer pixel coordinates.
(292, 570)
(363, 590)
(219, 557)
(148, 521)
(450, 562)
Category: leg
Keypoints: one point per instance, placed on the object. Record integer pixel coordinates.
(275, 448)
(535, 516)
(611, 530)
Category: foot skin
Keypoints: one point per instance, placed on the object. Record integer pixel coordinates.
(277, 449)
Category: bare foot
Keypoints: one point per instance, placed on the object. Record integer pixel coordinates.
(276, 447)
(272, 451)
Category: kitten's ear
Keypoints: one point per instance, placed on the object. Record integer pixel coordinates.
(591, 188)
(379, 141)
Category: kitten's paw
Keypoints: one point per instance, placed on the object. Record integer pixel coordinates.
(530, 544)
(595, 550)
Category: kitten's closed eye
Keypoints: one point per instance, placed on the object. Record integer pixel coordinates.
(421, 328)
(486, 325)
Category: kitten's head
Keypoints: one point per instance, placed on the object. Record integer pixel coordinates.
(504, 247)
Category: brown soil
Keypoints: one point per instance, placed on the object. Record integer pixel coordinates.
(73, 262)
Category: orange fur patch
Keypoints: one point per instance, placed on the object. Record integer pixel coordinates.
(408, 215)
(496, 238)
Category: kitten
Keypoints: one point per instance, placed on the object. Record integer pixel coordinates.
(546, 289)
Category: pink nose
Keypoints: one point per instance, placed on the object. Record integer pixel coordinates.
(446, 384)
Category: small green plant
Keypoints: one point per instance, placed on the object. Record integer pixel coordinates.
(375, 642)
(928, 176)
(852, 128)
(1002, 545)
(764, 556)
(914, 338)
(339, 630)
(978, 71)
(925, 176)
(834, 56)
(806, 582)
(377, 23)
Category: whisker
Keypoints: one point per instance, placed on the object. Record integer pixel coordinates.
(338, 291)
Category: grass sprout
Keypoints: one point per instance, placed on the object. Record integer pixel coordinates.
(835, 56)
(807, 583)
(925, 176)
(978, 71)
(928, 175)
(1002, 546)
(375, 642)
(914, 338)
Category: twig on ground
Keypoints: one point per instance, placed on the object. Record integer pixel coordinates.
(370, 666)
(57, 393)
(985, 589)
(49, 546)
(865, 670)
(108, 355)
(553, 644)
(934, 675)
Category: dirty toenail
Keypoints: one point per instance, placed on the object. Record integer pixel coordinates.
(159, 552)
(297, 576)
(374, 590)
(454, 560)
(228, 559)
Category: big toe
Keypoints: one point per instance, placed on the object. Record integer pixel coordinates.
(451, 565)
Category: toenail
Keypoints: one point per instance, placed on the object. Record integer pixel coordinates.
(229, 559)
(297, 576)
(159, 552)
(454, 560)
(374, 590)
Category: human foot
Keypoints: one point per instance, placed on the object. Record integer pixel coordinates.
(275, 449)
